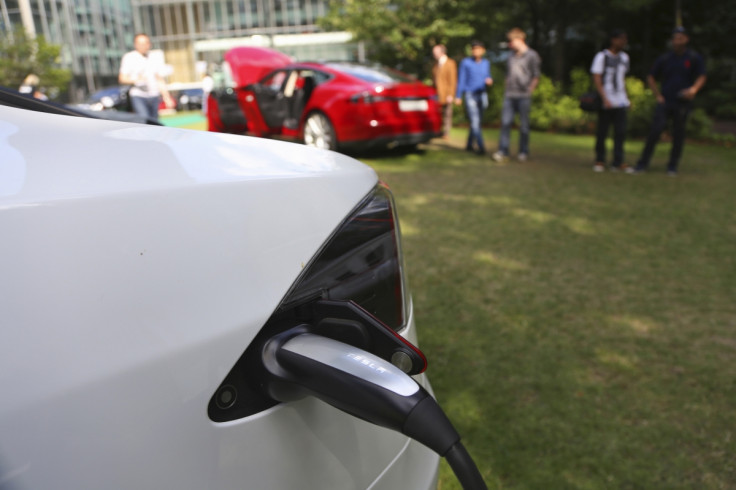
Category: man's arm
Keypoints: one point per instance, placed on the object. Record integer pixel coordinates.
(652, 82)
(598, 82)
(124, 77)
(533, 85)
(536, 73)
(452, 76)
(690, 93)
(164, 92)
(460, 83)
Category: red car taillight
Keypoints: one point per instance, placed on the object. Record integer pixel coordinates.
(366, 98)
(360, 263)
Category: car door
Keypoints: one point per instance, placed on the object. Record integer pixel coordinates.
(231, 116)
(270, 98)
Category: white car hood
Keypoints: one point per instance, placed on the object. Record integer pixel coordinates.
(125, 243)
(48, 157)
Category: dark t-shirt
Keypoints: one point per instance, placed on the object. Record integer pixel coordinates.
(677, 72)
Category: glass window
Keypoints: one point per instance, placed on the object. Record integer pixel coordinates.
(373, 73)
(274, 81)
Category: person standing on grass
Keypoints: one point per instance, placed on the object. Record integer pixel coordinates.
(682, 74)
(138, 69)
(474, 76)
(444, 75)
(522, 77)
(609, 77)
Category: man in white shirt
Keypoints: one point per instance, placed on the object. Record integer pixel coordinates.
(144, 74)
(609, 76)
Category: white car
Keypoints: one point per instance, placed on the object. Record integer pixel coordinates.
(182, 309)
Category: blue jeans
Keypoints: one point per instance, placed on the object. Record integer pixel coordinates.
(146, 106)
(678, 112)
(512, 105)
(475, 104)
(616, 116)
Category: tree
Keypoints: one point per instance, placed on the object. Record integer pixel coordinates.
(398, 32)
(21, 55)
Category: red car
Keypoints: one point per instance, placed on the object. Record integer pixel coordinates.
(337, 105)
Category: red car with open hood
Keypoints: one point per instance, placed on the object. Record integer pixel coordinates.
(334, 105)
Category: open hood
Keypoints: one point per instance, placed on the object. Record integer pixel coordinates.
(248, 64)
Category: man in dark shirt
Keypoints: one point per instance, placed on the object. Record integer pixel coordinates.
(682, 75)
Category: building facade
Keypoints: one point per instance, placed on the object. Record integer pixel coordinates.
(194, 34)
(93, 34)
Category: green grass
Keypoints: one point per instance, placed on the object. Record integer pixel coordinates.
(185, 120)
(580, 327)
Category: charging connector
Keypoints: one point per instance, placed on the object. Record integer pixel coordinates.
(299, 364)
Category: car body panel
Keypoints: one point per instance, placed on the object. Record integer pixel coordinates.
(248, 64)
(135, 271)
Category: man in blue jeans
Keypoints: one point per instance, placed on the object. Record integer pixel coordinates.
(474, 75)
(522, 77)
(682, 74)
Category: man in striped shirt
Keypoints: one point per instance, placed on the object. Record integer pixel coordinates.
(609, 76)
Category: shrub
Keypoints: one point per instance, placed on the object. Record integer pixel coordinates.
(553, 111)
(580, 82)
(642, 107)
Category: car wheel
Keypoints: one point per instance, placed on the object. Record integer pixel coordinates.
(319, 133)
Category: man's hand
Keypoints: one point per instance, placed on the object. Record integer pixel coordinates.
(458, 101)
(688, 93)
(448, 99)
(607, 103)
(169, 102)
(489, 81)
(660, 98)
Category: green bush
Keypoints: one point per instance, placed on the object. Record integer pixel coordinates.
(641, 111)
(554, 111)
(699, 125)
(721, 101)
(580, 82)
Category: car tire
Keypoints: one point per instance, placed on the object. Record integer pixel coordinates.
(319, 132)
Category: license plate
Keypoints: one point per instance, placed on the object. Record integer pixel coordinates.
(413, 105)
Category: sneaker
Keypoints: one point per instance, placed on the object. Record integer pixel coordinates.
(672, 173)
(621, 168)
(500, 156)
(599, 167)
(522, 157)
(634, 171)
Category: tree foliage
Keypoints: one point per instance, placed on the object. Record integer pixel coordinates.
(398, 32)
(21, 55)
(567, 33)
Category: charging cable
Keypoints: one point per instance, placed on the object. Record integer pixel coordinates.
(300, 364)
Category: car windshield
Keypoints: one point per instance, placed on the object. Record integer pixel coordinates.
(374, 73)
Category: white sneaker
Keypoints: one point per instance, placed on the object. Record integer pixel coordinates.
(522, 157)
(499, 156)
(599, 167)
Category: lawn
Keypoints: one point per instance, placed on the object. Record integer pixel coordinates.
(580, 327)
